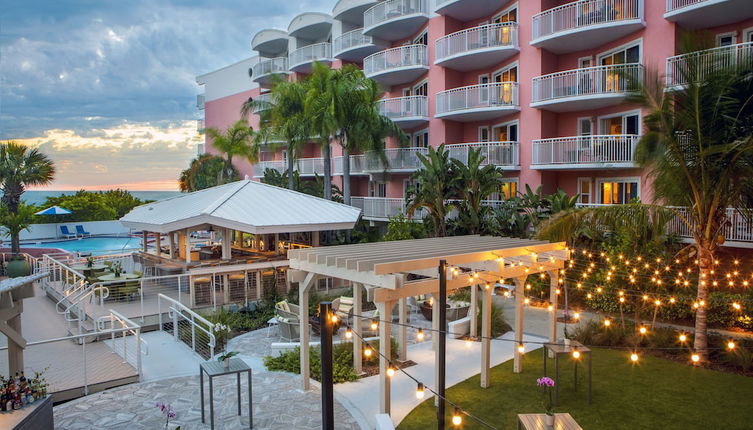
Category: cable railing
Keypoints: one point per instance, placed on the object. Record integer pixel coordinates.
(404, 107)
(270, 66)
(186, 326)
(698, 65)
(584, 13)
(494, 153)
(310, 53)
(480, 96)
(585, 149)
(385, 11)
(588, 81)
(351, 39)
(396, 58)
(497, 35)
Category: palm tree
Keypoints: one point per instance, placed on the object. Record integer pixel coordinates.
(435, 185)
(322, 102)
(21, 167)
(698, 149)
(236, 140)
(475, 182)
(205, 171)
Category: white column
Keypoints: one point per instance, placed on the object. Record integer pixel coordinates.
(385, 312)
(171, 243)
(435, 339)
(314, 238)
(403, 338)
(226, 232)
(357, 329)
(277, 244)
(553, 285)
(474, 310)
(188, 245)
(158, 243)
(144, 236)
(303, 319)
(520, 285)
(486, 332)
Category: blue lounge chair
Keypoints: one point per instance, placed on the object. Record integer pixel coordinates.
(67, 233)
(80, 230)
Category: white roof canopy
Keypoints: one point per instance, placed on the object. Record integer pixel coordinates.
(247, 206)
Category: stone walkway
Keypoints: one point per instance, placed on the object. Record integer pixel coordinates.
(278, 403)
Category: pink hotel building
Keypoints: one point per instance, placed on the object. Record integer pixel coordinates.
(540, 85)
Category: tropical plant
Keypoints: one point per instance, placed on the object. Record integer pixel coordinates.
(474, 183)
(313, 187)
(434, 188)
(16, 222)
(21, 167)
(698, 149)
(205, 171)
(402, 228)
(236, 140)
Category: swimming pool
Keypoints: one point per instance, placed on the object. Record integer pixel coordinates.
(94, 245)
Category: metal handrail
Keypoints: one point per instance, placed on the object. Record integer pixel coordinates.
(385, 11)
(705, 61)
(309, 53)
(270, 66)
(501, 153)
(350, 40)
(179, 309)
(673, 5)
(404, 107)
(499, 34)
(394, 58)
(478, 96)
(584, 13)
(619, 148)
(611, 79)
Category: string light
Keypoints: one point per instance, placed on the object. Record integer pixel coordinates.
(736, 306)
(456, 418)
(695, 358)
(390, 371)
(374, 324)
(333, 318)
(730, 345)
(420, 391)
(576, 315)
(643, 330)
(420, 334)
(521, 349)
(367, 352)
(683, 338)
(607, 323)
(576, 354)
(634, 357)
(348, 333)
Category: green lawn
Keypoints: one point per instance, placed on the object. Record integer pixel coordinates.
(654, 394)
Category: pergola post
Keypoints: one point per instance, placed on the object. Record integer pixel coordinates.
(158, 243)
(385, 310)
(474, 310)
(403, 333)
(435, 339)
(486, 333)
(520, 285)
(16, 345)
(553, 285)
(277, 249)
(188, 245)
(171, 244)
(314, 238)
(144, 235)
(357, 329)
(226, 254)
(303, 319)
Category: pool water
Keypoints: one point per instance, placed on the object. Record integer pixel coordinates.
(94, 245)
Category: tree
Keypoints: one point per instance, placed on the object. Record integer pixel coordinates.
(434, 188)
(236, 140)
(16, 222)
(21, 167)
(205, 171)
(474, 183)
(321, 104)
(698, 149)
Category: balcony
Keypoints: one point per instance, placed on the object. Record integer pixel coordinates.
(302, 59)
(586, 24)
(682, 69)
(585, 152)
(406, 112)
(397, 65)
(477, 47)
(264, 71)
(310, 26)
(379, 208)
(393, 20)
(264, 101)
(694, 14)
(399, 160)
(355, 46)
(351, 10)
(586, 88)
(270, 43)
(504, 155)
(260, 167)
(466, 10)
(478, 102)
(304, 167)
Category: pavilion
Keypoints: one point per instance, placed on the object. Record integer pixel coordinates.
(392, 271)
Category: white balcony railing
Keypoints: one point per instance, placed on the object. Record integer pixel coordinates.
(357, 165)
(260, 167)
(599, 80)
(478, 38)
(585, 150)
(310, 53)
(351, 39)
(697, 65)
(404, 107)
(585, 13)
(270, 66)
(495, 153)
(391, 9)
(397, 159)
(396, 58)
(264, 100)
(379, 207)
(310, 166)
(200, 101)
(673, 5)
(478, 97)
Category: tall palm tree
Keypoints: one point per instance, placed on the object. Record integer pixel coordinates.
(475, 182)
(698, 149)
(434, 189)
(236, 140)
(21, 167)
(322, 102)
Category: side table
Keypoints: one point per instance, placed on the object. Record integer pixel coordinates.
(558, 349)
(214, 368)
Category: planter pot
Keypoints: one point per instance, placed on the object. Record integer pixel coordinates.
(18, 268)
(567, 342)
(226, 363)
(549, 420)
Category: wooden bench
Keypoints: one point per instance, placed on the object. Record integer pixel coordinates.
(537, 422)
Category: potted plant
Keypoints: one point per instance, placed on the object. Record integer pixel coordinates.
(15, 223)
(89, 262)
(225, 358)
(547, 384)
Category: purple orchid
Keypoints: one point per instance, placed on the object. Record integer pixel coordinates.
(547, 384)
(168, 412)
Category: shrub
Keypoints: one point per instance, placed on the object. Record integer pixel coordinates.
(499, 325)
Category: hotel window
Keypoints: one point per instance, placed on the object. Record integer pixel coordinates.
(483, 134)
(410, 184)
(422, 39)
(507, 16)
(421, 139)
(585, 131)
(421, 89)
(748, 36)
(613, 80)
(507, 190)
(584, 191)
(725, 39)
(377, 189)
(506, 132)
(618, 191)
(505, 90)
(622, 124)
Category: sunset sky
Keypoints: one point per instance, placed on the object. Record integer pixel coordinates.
(107, 88)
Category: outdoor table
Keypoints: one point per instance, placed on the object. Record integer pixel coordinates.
(122, 277)
(536, 422)
(95, 266)
(558, 349)
(215, 368)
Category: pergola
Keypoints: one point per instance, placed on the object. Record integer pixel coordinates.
(392, 271)
(12, 293)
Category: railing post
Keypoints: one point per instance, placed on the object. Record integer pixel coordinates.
(193, 334)
(138, 353)
(175, 324)
(83, 351)
(159, 312)
(141, 297)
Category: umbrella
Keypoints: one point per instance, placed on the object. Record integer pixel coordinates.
(54, 210)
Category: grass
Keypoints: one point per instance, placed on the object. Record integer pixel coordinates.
(655, 393)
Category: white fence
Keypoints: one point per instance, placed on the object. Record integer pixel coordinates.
(584, 13)
(679, 4)
(392, 9)
(585, 150)
(697, 65)
(478, 96)
(495, 153)
(619, 78)
(310, 53)
(395, 58)
(270, 66)
(351, 39)
(404, 107)
(477, 38)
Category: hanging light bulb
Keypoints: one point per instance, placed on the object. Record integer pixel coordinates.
(333, 318)
(526, 300)
(550, 308)
(374, 325)
(576, 354)
(672, 300)
(468, 342)
(420, 334)
(607, 323)
(348, 333)
(643, 330)
(367, 352)
(634, 357)
(456, 418)
(521, 349)
(390, 371)
(576, 315)
(683, 338)
(420, 391)
(736, 306)
(695, 358)
(622, 300)
(730, 345)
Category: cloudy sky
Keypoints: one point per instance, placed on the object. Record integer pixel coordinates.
(107, 88)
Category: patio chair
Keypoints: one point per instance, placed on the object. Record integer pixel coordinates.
(290, 330)
(80, 230)
(65, 232)
(344, 305)
(287, 310)
(202, 291)
(132, 288)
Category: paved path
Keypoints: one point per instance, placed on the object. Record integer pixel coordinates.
(278, 403)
